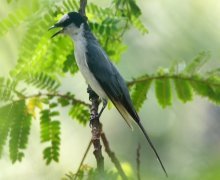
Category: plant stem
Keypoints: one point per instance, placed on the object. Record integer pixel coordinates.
(138, 161)
(83, 159)
(113, 157)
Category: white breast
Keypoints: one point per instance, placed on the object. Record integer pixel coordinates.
(80, 55)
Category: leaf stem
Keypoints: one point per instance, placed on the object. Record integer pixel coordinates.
(167, 76)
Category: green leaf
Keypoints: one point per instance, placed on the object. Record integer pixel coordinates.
(13, 19)
(139, 94)
(137, 23)
(197, 63)
(50, 132)
(135, 10)
(208, 89)
(40, 80)
(183, 90)
(20, 129)
(7, 87)
(5, 124)
(70, 64)
(163, 91)
(80, 113)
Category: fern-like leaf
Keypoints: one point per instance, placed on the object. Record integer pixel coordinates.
(163, 92)
(7, 87)
(50, 132)
(13, 20)
(20, 128)
(139, 94)
(210, 90)
(183, 89)
(5, 124)
(40, 80)
(80, 113)
(197, 63)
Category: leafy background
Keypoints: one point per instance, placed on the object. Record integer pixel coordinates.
(186, 135)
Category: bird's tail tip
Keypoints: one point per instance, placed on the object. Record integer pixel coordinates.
(152, 146)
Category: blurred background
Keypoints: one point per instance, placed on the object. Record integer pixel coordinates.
(185, 135)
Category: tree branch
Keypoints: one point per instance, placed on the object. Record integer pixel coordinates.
(82, 9)
(112, 156)
(167, 76)
(65, 96)
(96, 130)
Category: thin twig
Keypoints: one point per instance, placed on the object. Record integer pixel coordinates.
(83, 159)
(112, 156)
(138, 161)
(182, 77)
(64, 96)
(82, 9)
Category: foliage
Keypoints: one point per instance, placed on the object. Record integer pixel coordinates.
(187, 81)
(42, 61)
(15, 122)
(90, 173)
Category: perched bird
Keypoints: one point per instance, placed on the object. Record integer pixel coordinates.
(98, 71)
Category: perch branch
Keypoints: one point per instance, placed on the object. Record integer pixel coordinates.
(96, 130)
(113, 157)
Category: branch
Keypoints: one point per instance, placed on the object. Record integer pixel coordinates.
(65, 96)
(138, 161)
(82, 9)
(96, 130)
(83, 159)
(167, 76)
(113, 157)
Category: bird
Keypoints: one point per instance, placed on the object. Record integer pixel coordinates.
(98, 71)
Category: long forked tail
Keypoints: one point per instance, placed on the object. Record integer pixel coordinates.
(152, 146)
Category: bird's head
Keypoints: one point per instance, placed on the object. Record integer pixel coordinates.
(70, 24)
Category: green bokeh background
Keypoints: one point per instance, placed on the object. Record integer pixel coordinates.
(185, 135)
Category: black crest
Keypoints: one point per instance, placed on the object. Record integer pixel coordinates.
(71, 17)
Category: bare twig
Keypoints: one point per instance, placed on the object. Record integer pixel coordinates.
(38, 95)
(167, 76)
(83, 159)
(113, 157)
(138, 161)
(82, 9)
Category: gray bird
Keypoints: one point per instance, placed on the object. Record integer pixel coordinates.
(98, 71)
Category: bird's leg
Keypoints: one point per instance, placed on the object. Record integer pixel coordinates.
(104, 102)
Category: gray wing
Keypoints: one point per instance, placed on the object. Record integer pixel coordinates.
(111, 81)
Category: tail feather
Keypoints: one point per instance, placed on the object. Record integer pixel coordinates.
(128, 112)
(152, 146)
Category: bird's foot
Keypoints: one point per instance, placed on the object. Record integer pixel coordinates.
(92, 120)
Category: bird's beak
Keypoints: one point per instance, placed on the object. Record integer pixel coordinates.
(53, 27)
